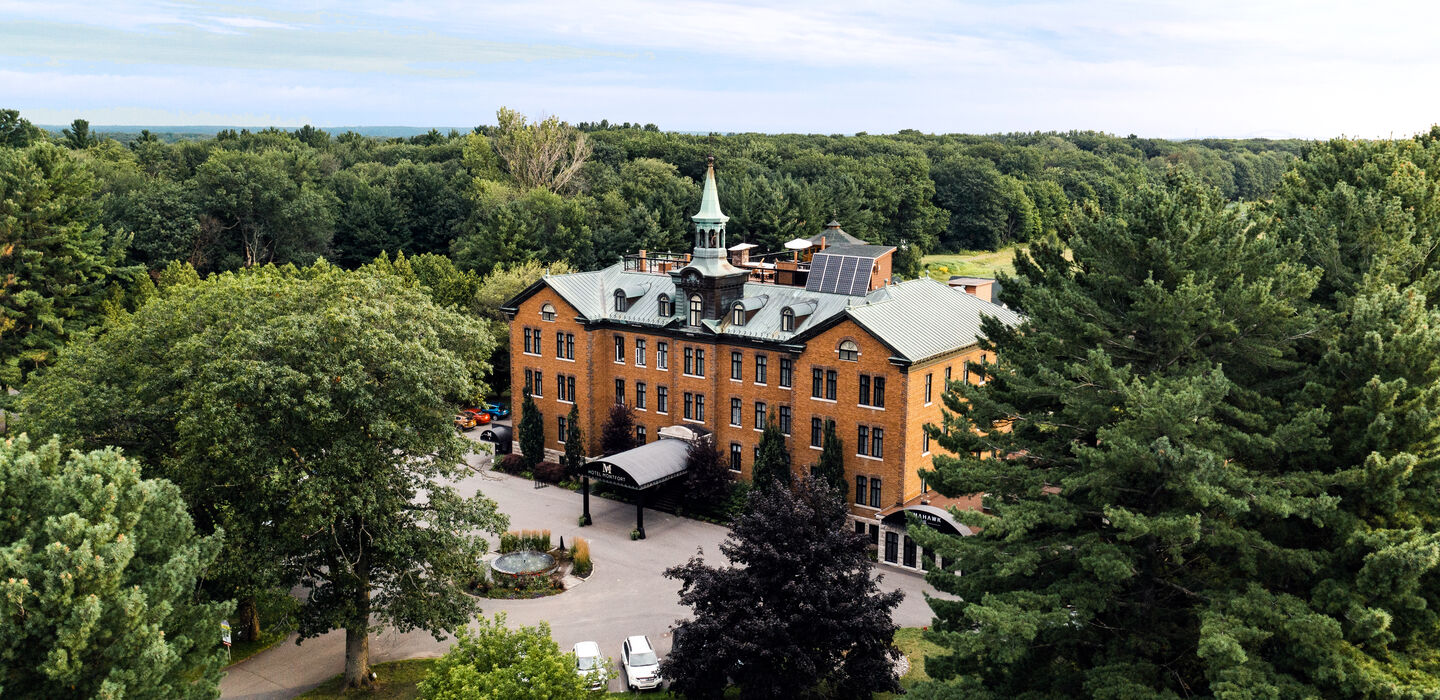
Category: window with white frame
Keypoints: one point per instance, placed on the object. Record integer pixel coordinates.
(849, 351)
(547, 312)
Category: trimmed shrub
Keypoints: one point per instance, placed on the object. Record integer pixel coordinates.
(511, 464)
(549, 472)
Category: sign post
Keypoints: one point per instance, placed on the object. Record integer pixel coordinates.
(225, 634)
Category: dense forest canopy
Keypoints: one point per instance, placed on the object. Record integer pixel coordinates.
(486, 197)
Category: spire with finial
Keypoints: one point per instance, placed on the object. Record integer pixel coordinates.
(709, 199)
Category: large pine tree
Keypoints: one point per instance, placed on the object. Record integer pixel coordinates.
(1139, 433)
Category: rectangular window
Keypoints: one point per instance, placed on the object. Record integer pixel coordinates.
(874, 532)
(640, 352)
(699, 362)
(877, 443)
(965, 373)
(529, 381)
(662, 399)
(759, 415)
(830, 380)
(816, 432)
(560, 387)
(735, 452)
(928, 379)
(762, 367)
(874, 492)
(863, 443)
(925, 443)
(909, 552)
(877, 395)
(785, 419)
(640, 395)
(859, 528)
(892, 547)
(817, 381)
(620, 349)
(569, 346)
(538, 349)
(559, 343)
(539, 384)
(689, 360)
(562, 431)
(864, 390)
(639, 435)
(662, 355)
(735, 411)
(947, 374)
(860, 483)
(620, 391)
(737, 362)
(570, 387)
(529, 339)
(689, 405)
(787, 372)
(700, 407)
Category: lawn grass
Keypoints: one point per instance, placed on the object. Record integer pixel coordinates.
(397, 681)
(976, 263)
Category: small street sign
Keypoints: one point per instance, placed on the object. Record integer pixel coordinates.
(225, 632)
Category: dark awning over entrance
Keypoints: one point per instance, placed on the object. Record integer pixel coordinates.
(642, 467)
(938, 518)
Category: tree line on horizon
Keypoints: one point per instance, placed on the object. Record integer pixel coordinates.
(485, 198)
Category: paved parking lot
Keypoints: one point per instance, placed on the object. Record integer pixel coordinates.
(626, 595)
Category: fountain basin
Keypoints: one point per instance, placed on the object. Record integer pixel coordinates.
(517, 568)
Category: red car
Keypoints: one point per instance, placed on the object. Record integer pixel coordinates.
(480, 417)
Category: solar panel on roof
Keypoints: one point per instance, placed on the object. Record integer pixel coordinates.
(839, 274)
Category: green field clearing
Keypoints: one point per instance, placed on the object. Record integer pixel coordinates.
(978, 263)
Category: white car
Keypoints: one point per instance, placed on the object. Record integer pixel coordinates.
(590, 664)
(642, 666)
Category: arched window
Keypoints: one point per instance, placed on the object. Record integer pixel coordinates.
(737, 314)
(696, 309)
(621, 303)
(547, 313)
(787, 320)
(667, 308)
(849, 351)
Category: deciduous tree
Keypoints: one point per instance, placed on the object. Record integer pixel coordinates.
(617, 434)
(796, 614)
(496, 662)
(308, 412)
(548, 153)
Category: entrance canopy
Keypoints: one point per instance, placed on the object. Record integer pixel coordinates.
(938, 518)
(640, 468)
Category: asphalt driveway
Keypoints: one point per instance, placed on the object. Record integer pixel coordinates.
(626, 595)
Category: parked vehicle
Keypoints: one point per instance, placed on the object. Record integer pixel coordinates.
(590, 664)
(480, 416)
(464, 421)
(495, 410)
(642, 666)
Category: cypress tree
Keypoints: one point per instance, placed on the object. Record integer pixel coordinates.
(532, 434)
(831, 467)
(574, 459)
(772, 466)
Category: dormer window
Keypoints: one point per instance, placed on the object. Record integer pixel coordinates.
(697, 308)
(849, 351)
(737, 315)
(787, 320)
(667, 307)
(547, 313)
(621, 303)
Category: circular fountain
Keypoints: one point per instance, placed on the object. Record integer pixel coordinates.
(516, 569)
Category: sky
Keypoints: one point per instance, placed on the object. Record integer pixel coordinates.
(1194, 68)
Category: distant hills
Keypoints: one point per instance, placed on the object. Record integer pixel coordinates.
(208, 130)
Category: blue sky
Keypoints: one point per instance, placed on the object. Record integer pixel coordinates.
(1159, 68)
